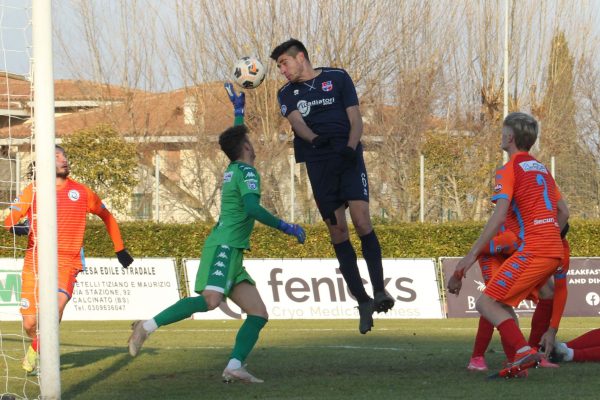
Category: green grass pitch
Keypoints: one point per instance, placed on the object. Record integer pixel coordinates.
(298, 359)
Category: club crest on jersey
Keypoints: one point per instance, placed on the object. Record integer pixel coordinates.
(296, 92)
(498, 187)
(73, 195)
(251, 185)
(24, 304)
(327, 86)
(227, 176)
(283, 109)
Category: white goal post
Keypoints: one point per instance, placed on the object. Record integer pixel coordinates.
(43, 100)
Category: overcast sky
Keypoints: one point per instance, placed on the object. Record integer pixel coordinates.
(15, 30)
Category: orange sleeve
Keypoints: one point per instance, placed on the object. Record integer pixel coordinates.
(95, 206)
(505, 182)
(560, 288)
(18, 209)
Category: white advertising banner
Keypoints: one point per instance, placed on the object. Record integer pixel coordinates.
(107, 291)
(315, 289)
(10, 289)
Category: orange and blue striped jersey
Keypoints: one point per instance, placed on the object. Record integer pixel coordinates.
(533, 195)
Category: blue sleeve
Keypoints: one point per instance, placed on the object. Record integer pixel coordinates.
(349, 95)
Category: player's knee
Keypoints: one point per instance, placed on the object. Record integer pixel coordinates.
(259, 311)
(30, 326)
(546, 292)
(339, 233)
(363, 227)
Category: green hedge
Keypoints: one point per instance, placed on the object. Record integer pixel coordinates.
(145, 239)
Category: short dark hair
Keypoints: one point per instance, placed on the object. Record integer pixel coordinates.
(60, 148)
(525, 129)
(232, 140)
(291, 47)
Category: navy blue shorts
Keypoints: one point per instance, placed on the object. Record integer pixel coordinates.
(334, 183)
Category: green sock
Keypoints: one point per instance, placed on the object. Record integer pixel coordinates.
(183, 309)
(247, 337)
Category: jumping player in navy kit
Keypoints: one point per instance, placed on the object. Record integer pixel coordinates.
(322, 107)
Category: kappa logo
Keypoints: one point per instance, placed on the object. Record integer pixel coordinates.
(217, 273)
(73, 195)
(220, 264)
(250, 175)
(224, 246)
(222, 255)
(327, 86)
(227, 176)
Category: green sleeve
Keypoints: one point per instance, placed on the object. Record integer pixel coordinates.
(255, 210)
(238, 120)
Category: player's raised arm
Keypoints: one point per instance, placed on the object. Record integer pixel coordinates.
(239, 103)
(96, 206)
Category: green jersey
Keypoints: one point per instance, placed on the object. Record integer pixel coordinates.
(235, 225)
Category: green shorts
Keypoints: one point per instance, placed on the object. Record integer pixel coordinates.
(221, 269)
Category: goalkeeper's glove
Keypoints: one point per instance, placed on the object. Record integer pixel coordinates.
(320, 141)
(350, 156)
(21, 228)
(124, 258)
(238, 100)
(292, 230)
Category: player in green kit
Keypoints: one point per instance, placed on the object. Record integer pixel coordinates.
(221, 273)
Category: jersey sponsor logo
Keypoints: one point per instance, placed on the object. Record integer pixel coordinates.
(73, 195)
(327, 86)
(227, 176)
(251, 185)
(498, 188)
(283, 109)
(543, 221)
(533, 165)
(304, 106)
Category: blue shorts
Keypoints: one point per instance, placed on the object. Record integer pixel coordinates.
(334, 183)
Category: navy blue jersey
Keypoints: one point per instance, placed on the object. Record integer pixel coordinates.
(322, 102)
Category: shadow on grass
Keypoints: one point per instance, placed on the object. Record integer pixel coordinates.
(82, 359)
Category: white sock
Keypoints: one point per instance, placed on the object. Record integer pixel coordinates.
(234, 363)
(570, 354)
(150, 325)
(523, 349)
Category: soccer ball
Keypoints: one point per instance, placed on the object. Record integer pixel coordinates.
(249, 72)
